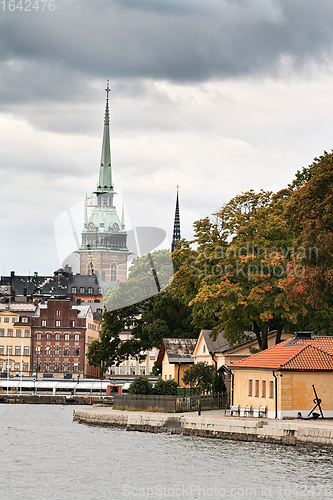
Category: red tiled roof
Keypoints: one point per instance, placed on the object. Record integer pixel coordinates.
(323, 343)
(302, 355)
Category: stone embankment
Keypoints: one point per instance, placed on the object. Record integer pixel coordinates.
(45, 399)
(214, 425)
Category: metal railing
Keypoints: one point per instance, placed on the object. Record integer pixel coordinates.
(218, 401)
(174, 404)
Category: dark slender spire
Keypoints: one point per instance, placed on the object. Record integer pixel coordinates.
(176, 226)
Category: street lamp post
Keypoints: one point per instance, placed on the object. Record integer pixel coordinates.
(37, 367)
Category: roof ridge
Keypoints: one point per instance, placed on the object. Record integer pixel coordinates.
(323, 355)
(295, 355)
(321, 350)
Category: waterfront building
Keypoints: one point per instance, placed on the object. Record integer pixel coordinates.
(221, 353)
(61, 335)
(132, 367)
(104, 249)
(281, 377)
(15, 343)
(175, 357)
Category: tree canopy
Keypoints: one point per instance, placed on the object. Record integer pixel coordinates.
(236, 275)
(310, 212)
(201, 377)
(157, 316)
(264, 261)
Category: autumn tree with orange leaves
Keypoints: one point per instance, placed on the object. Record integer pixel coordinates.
(310, 215)
(235, 277)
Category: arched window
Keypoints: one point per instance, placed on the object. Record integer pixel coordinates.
(90, 269)
(113, 272)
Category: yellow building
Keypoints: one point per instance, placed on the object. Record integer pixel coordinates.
(281, 378)
(221, 353)
(175, 356)
(132, 366)
(15, 344)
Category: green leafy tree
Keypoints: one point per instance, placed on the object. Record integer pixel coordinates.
(109, 348)
(148, 275)
(200, 377)
(218, 383)
(141, 385)
(165, 388)
(156, 370)
(164, 316)
(155, 317)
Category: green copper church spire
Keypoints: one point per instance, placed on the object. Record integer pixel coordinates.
(105, 173)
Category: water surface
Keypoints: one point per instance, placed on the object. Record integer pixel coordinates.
(45, 455)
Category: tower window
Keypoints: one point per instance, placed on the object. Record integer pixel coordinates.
(90, 269)
(113, 272)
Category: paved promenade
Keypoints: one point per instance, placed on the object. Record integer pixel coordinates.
(213, 424)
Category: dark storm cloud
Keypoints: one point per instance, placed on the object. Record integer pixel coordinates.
(179, 41)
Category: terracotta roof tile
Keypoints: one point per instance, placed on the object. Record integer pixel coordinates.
(301, 354)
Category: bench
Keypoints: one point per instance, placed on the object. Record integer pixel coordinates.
(234, 410)
(262, 411)
(248, 411)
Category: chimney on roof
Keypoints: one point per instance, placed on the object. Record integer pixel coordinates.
(303, 335)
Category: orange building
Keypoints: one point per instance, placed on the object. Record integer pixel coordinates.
(281, 378)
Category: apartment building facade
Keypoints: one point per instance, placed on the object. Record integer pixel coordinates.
(61, 335)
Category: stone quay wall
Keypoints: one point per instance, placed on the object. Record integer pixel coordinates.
(213, 426)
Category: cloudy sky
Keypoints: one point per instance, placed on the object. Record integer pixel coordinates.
(218, 96)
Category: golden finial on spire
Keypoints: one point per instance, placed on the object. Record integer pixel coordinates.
(107, 90)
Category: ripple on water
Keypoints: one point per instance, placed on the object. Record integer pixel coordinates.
(44, 454)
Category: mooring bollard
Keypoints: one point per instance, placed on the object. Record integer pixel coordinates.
(199, 408)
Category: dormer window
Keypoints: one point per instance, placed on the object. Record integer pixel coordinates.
(74, 289)
(91, 290)
(82, 289)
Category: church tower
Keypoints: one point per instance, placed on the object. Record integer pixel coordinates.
(176, 226)
(103, 251)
